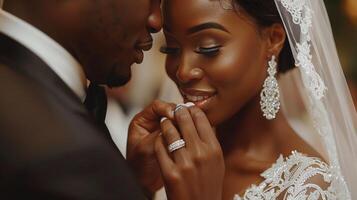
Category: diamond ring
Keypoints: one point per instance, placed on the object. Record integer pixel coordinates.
(178, 144)
(182, 105)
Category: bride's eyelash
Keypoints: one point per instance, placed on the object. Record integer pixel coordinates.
(209, 51)
(169, 50)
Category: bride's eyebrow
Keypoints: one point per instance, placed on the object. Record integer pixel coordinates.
(208, 25)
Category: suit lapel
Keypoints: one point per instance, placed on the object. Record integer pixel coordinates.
(25, 62)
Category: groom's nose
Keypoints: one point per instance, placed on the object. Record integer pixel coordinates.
(154, 24)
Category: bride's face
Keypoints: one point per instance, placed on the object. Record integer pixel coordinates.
(216, 57)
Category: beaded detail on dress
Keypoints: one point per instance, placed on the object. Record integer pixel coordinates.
(297, 177)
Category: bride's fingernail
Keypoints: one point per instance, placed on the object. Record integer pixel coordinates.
(163, 119)
(189, 104)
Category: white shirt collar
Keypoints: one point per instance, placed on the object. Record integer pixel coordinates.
(53, 54)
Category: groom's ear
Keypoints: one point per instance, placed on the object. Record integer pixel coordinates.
(275, 36)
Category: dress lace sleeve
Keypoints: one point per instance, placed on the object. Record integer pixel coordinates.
(297, 177)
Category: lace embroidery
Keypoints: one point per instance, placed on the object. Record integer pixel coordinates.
(289, 180)
(302, 16)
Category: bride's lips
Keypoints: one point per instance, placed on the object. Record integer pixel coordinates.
(201, 98)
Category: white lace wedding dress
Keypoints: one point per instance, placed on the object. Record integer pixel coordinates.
(298, 177)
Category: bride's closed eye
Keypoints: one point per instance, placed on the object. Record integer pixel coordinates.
(209, 51)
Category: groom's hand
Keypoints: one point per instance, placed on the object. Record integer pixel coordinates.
(143, 131)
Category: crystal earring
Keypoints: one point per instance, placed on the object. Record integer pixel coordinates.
(269, 96)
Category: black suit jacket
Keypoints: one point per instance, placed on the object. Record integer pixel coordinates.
(50, 147)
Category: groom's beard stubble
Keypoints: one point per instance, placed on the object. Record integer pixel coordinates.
(116, 79)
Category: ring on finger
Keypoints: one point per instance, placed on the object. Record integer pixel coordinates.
(178, 144)
(180, 106)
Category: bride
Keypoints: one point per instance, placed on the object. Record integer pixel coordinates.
(267, 76)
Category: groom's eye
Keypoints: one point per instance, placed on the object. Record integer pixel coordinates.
(169, 50)
(208, 51)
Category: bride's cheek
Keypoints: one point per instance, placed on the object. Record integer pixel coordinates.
(226, 67)
(171, 67)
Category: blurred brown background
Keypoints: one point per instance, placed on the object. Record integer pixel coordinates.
(343, 17)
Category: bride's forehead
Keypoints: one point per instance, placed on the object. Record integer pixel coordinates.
(191, 6)
(192, 11)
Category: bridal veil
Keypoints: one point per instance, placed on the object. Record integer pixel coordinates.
(315, 96)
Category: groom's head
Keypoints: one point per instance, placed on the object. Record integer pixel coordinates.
(105, 36)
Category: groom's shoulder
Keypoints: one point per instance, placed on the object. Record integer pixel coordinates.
(32, 117)
(55, 147)
(43, 113)
(27, 110)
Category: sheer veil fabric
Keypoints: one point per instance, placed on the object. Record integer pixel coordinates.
(328, 120)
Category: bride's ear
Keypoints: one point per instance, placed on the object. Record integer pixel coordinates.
(275, 36)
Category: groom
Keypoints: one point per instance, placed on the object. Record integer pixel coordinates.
(51, 145)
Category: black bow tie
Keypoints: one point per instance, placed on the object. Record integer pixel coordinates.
(96, 102)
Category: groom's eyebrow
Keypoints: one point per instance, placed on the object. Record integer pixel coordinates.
(208, 25)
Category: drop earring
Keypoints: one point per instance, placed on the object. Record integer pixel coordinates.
(270, 95)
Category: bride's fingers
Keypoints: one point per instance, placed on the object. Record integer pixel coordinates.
(203, 126)
(151, 115)
(160, 108)
(187, 127)
(164, 159)
(171, 135)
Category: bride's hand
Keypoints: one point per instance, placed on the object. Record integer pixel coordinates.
(143, 130)
(195, 171)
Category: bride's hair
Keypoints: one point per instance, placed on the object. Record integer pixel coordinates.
(264, 13)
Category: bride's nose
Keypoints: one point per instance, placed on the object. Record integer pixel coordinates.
(186, 72)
